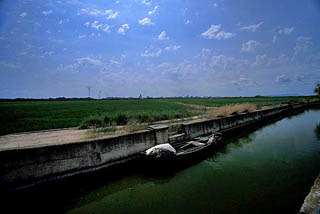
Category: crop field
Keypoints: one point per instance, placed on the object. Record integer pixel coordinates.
(22, 116)
(259, 101)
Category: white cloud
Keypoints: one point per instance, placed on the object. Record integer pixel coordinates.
(250, 46)
(62, 21)
(114, 62)
(213, 32)
(46, 12)
(187, 22)
(106, 28)
(286, 31)
(281, 60)
(213, 4)
(163, 36)
(9, 64)
(172, 47)
(252, 28)
(109, 14)
(145, 21)
(261, 60)
(113, 15)
(94, 12)
(275, 39)
(81, 36)
(98, 26)
(80, 64)
(283, 79)
(244, 82)
(151, 12)
(222, 62)
(24, 14)
(205, 53)
(49, 53)
(303, 46)
(146, 2)
(88, 61)
(149, 53)
(123, 29)
(224, 35)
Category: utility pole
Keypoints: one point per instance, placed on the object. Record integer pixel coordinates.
(100, 94)
(89, 88)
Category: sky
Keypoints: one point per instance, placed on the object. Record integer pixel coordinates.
(124, 48)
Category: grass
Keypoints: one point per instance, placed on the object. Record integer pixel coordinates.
(258, 101)
(223, 111)
(21, 116)
(104, 120)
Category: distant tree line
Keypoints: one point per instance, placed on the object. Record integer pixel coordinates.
(317, 90)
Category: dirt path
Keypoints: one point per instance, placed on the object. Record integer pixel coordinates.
(41, 139)
(203, 108)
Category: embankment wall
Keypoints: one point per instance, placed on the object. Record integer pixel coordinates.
(23, 167)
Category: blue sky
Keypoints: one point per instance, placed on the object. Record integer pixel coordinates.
(158, 48)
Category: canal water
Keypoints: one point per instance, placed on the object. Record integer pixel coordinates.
(266, 170)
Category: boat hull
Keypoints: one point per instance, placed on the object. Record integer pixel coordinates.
(179, 160)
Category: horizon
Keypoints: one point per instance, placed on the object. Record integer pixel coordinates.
(220, 48)
(150, 97)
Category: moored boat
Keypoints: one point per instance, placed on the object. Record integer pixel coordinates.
(182, 150)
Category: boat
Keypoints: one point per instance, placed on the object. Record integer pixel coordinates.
(183, 150)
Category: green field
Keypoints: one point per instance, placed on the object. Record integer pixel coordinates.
(21, 116)
(259, 101)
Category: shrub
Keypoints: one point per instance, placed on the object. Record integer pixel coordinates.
(92, 121)
(121, 119)
(144, 118)
(107, 120)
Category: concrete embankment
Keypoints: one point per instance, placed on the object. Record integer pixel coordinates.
(22, 166)
(25, 166)
(311, 204)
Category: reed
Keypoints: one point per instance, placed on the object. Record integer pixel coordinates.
(227, 110)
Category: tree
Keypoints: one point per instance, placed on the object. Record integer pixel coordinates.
(317, 90)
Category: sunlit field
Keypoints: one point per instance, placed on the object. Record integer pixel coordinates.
(22, 116)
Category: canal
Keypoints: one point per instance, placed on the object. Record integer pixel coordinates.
(266, 170)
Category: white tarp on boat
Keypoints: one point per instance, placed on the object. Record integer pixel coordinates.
(162, 150)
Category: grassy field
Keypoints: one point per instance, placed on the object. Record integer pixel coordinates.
(259, 101)
(21, 116)
(40, 115)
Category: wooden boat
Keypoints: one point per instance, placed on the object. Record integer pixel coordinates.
(183, 150)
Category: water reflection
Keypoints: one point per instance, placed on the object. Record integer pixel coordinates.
(317, 131)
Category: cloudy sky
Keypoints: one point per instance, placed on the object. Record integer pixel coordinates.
(158, 47)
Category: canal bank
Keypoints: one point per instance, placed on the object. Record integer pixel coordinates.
(22, 166)
(311, 204)
(264, 168)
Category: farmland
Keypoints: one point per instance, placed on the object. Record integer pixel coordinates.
(22, 116)
(259, 101)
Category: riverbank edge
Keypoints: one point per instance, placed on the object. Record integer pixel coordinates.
(311, 203)
(21, 168)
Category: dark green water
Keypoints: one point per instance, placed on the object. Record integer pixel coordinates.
(269, 170)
